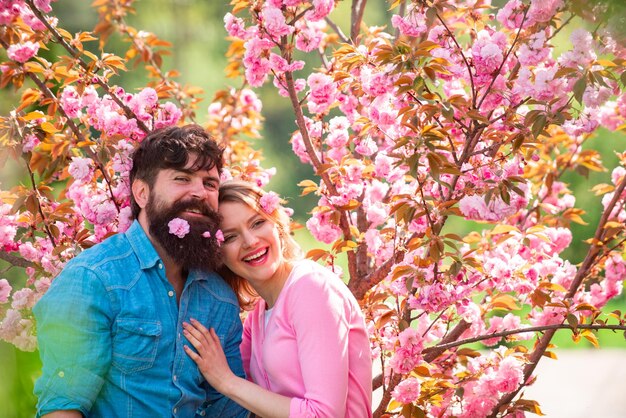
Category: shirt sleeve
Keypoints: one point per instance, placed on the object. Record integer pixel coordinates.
(219, 405)
(318, 312)
(74, 337)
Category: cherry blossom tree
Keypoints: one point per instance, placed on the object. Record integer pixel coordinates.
(455, 111)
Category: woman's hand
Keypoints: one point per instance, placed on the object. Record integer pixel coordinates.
(210, 356)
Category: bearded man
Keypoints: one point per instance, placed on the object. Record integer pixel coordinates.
(110, 326)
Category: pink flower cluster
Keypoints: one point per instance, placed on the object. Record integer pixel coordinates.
(107, 116)
(261, 39)
(496, 377)
(10, 10)
(269, 202)
(408, 354)
(22, 52)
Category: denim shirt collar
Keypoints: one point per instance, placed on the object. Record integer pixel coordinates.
(146, 253)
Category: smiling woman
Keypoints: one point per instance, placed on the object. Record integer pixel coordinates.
(305, 347)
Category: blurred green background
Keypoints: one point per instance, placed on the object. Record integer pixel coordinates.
(195, 27)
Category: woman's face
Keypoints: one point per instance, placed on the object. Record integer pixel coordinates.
(251, 247)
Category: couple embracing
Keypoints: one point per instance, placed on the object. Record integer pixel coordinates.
(142, 324)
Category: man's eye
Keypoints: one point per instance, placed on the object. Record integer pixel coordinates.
(181, 178)
(211, 185)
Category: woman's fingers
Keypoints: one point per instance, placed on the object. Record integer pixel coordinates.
(215, 338)
(194, 356)
(199, 327)
(195, 330)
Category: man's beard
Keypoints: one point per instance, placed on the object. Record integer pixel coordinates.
(193, 251)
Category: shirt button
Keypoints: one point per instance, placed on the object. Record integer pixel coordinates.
(160, 266)
(203, 412)
(170, 293)
(61, 374)
(175, 378)
(175, 410)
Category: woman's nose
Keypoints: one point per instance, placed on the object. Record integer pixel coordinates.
(249, 239)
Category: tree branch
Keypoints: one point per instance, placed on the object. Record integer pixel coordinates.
(521, 331)
(358, 7)
(76, 55)
(15, 260)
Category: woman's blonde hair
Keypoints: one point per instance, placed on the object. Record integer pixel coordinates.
(238, 191)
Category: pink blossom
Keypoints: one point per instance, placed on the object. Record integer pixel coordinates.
(474, 207)
(234, 26)
(366, 146)
(322, 229)
(81, 169)
(309, 38)
(407, 391)
(29, 252)
(219, 236)
(23, 298)
(125, 219)
(413, 24)
(71, 102)
(43, 5)
(269, 202)
(257, 66)
(509, 375)
(10, 325)
(382, 111)
(23, 52)
(5, 290)
(30, 142)
(609, 116)
(178, 227)
(323, 92)
(321, 9)
(206, 234)
(512, 14)
(167, 115)
(8, 227)
(376, 214)
(596, 96)
(249, 99)
(535, 50)
(280, 64)
(42, 285)
(274, 21)
(375, 83)
(543, 10)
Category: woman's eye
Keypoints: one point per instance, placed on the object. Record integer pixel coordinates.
(258, 223)
(228, 238)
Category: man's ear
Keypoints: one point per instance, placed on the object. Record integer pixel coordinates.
(141, 192)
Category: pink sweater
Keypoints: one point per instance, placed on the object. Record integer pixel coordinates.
(315, 348)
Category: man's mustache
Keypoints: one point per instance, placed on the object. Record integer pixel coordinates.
(194, 204)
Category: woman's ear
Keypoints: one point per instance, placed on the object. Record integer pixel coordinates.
(141, 192)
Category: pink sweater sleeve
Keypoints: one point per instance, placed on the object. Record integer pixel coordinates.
(246, 345)
(319, 314)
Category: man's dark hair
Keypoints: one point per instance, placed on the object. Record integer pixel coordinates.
(170, 148)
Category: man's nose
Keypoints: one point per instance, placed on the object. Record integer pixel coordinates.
(198, 190)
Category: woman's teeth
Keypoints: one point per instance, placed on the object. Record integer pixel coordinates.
(256, 255)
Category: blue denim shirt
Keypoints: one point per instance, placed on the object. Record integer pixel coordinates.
(110, 335)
